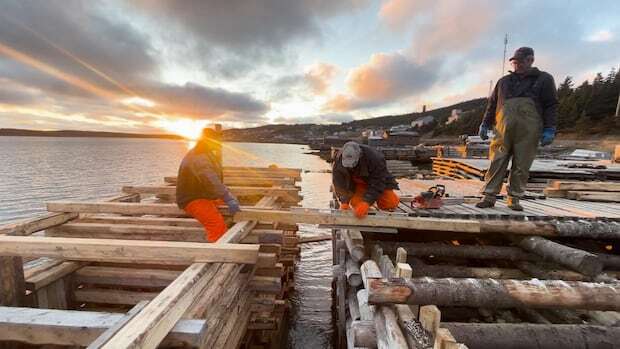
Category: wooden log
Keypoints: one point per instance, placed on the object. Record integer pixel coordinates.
(380, 330)
(79, 328)
(127, 250)
(581, 261)
(421, 269)
(355, 244)
(540, 272)
(513, 336)
(416, 249)
(352, 272)
(495, 293)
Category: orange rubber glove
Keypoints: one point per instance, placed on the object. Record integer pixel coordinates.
(361, 209)
(344, 206)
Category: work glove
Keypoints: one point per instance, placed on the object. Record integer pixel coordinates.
(548, 135)
(483, 132)
(361, 209)
(344, 206)
(233, 205)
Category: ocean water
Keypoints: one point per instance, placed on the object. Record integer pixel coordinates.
(34, 170)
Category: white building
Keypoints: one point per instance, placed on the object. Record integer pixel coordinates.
(427, 120)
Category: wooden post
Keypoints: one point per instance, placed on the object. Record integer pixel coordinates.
(12, 288)
(495, 293)
(217, 151)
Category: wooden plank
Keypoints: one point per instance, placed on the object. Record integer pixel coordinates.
(32, 225)
(97, 275)
(111, 296)
(127, 232)
(160, 221)
(285, 194)
(151, 325)
(80, 328)
(586, 186)
(115, 207)
(105, 336)
(52, 274)
(594, 196)
(127, 250)
(347, 218)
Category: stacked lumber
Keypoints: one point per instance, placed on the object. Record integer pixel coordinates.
(136, 271)
(542, 170)
(360, 322)
(584, 191)
(401, 168)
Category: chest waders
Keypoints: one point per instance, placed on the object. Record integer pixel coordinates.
(517, 132)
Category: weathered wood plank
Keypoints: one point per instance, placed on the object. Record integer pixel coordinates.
(107, 334)
(290, 195)
(127, 250)
(125, 276)
(69, 327)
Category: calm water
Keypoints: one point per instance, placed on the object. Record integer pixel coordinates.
(34, 170)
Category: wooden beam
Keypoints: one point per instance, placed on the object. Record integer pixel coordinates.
(111, 296)
(160, 221)
(586, 186)
(347, 218)
(535, 336)
(127, 250)
(249, 181)
(128, 232)
(437, 249)
(80, 328)
(125, 276)
(285, 194)
(52, 274)
(496, 293)
(33, 225)
(355, 244)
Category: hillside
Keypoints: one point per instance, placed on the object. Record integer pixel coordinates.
(74, 133)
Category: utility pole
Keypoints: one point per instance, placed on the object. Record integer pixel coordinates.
(618, 107)
(490, 88)
(504, 60)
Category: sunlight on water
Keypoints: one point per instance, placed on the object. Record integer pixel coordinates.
(35, 170)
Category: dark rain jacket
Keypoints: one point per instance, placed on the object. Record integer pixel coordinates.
(199, 177)
(535, 84)
(371, 168)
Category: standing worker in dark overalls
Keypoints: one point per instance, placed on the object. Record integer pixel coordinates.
(360, 178)
(200, 189)
(523, 110)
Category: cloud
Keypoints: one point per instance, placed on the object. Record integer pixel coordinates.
(601, 36)
(399, 14)
(243, 25)
(390, 76)
(315, 81)
(193, 100)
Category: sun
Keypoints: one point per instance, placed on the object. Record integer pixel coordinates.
(190, 129)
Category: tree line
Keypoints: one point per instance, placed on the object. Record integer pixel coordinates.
(586, 109)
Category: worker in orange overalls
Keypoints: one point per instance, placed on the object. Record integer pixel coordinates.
(200, 189)
(361, 178)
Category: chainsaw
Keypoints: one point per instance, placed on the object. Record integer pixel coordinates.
(432, 198)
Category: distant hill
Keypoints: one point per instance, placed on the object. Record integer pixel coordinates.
(74, 133)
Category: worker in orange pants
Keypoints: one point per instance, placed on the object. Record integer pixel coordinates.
(360, 178)
(200, 189)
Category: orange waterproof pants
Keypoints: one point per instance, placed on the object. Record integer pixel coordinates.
(206, 212)
(387, 201)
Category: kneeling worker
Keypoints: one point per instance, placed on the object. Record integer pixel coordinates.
(360, 177)
(200, 188)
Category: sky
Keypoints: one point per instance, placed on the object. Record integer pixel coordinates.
(160, 66)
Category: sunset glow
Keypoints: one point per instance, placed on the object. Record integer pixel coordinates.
(189, 129)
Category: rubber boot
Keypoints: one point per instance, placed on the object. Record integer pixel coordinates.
(486, 202)
(513, 204)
